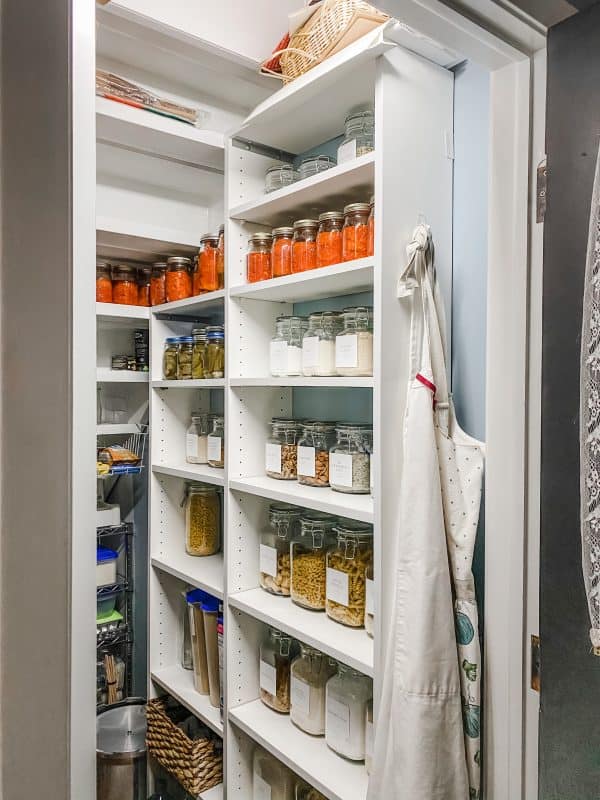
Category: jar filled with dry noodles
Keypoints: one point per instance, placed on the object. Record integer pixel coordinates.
(274, 559)
(202, 520)
(309, 560)
(347, 564)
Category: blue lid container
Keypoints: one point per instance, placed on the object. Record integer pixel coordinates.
(210, 604)
(104, 554)
(195, 596)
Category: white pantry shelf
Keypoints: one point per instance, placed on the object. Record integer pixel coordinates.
(138, 241)
(308, 756)
(212, 383)
(179, 683)
(116, 429)
(193, 306)
(352, 646)
(192, 472)
(107, 375)
(114, 312)
(330, 382)
(216, 793)
(202, 572)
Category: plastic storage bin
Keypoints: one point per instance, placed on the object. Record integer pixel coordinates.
(195, 598)
(105, 604)
(106, 566)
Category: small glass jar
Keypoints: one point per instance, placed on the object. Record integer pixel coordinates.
(104, 288)
(304, 248)
(170, 357)
(347, 695)
(359, 137)
(370, 601)
(298, 327)
(281, 254)
(354, 344)
(124, 285)
(306, 792)
(279, 176)
(278, 347)
(309, 560)
(185, 354)
(347, 563)
(216, 443)
(202, 520)
(199, 355)
(313, 453)
(310, 672)
(158, 287)
(349, 459)
(274, 554)
(276, 653)
(318, 346)
(178, 283)
(355, 236)
(196, 440)
(369, 738)
(144, 275)
(258, 259)
(271, 780)
(310, 344)
(281, 450)
(329, 238)
(221, 257)
(215, 351)
(312, 165)
(206, 277)
(371, 226)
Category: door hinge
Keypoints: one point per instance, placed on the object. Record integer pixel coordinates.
(536, 666)
(541, 191)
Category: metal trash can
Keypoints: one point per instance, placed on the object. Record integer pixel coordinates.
(121, 751)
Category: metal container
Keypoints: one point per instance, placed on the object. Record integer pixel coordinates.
(121, 751)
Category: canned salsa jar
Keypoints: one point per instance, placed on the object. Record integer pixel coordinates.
(179, 280)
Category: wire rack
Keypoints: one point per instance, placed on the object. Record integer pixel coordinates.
(136, 443)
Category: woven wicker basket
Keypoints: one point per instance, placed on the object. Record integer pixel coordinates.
(196, 765)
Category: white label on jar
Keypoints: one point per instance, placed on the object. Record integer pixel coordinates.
(191, 445)
(338, 720)
(340, 469)
(294, 360)
(310, 352)
(273, 457)
(369, 739)
(268, 560)
(300, 696)
(214, 448)
(370, 597)
(306, 461)
(337, 586)
(268, 678)
(346, 351)
(262, 790)
(346, 152)
(278, 358)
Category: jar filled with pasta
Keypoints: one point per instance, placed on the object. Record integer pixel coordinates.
(359, 137)
(306, 792)
(206, 277)
(158, 283)
(347, 563)
(196, 440)
(178, 283)
(329, 238)
(271, 780)
(355, 237)
(304, 248)
(354, 344)
(281, 254)
(309, 560)
(202, 520)
(274, 555)
(281, 450)
(216, 443)
(124, 285)
(144, 277)
(276, 653)
(170, 357)
(104, 289)
(370, 601)
(258, 258)
(199, 355)
(313, 453)
(349, 459)
(215, 351)
(309, 675)
(185, 355)
(347, 696)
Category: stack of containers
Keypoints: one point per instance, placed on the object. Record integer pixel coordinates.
(203, 610)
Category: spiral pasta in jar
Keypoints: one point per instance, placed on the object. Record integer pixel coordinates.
(202, 520)
(347, 564)
(274, 555)
(309, 560)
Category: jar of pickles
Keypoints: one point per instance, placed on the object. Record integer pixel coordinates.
(355, 236)
(304, 248)
(199, 365)
(178, 284)
(158, 283)
(206, 277)
(104, 289)
(349, 459)
(216, 443)
(124, 285)
(281, 450)
(258, 259)
(329, 238)
(347, 564)
(274, 554)
(185, 355)
(309, 560)
(276, 654)
(347, 696)
(170, 356)
(281, 254)
(359, 137)
(354, 344)
(215, 351)
(313, 453)
(310, 672)
(202, 520)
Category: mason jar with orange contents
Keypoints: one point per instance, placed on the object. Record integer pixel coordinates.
(104, 292)
(178, 284)
(281, 254)
(157, 283)
(304, 248)
(355, 239)
(258, 259)
(371, 248)
(221, 257)
(329, 238)
(206, 277)
(125, 288)
(144, 279)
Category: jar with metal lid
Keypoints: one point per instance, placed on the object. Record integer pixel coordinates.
(178, 284)
(298, 327)
(329, 238)
(371, 227)
(347, 696)
(274, 553)
(170, 357)
(158, 287)
(347, 564)
(104, 289)
(144, 276)
(215, 351)
(199, 356)
(359, 136)
(312, 165)
(276, 653)
(196, 440)
(310, 672)
(206, 277)
(185, 356)
(258, 258)
(370, 601)
(216, 443)
(304, 248)
(318, 351)
(313, 453)
(281, 254)
(279, 176)
(369, 737)
(271, 780)
(281, 450)
(221, 257)
(202, 520)
(309, 560)
(124, 285)
(310, 344)
(355, 236)
(354, 343)
(306, 792)
(349, 459)
(278, 348)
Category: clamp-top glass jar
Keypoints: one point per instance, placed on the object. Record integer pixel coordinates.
(178, 284)
(359, 137)
(271, 780)
(281, 450)
(309, 560)
(276, 653)
(347, 696)
(279, 176)
(329, 238)
(309, 675)
(347, 564)
(196, 440)
(258, 259)
(349, 459)
(310, 344)
(216, 443)
(304, 248)
(313, 453)
(325, 334)
(278, 347)
(274, 561)
(355, 236)
(312, 165)
(215, 351)
(354, 344)
(202, 520)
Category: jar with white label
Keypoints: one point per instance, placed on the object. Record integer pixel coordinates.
(346, 697)
(349, 459)
(370, 602)
(369, 737)
(309, 559)
(309, 675)
(271, 780)
(276, 653)
(313, 453)
(281, 450)
(274, 557)
(354, 344)
(347, 564)
(216, 443)
(359, 137)
(324, 358)
(196, 440)
(310, 344)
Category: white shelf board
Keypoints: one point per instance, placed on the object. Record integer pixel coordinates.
(157, 135)
(114, 312)
(352, 506)
(202, 572)
(308, 756)
(193, 472)
(352, 646)
(350, 277)
(216, 793)
(179, 683)
(193, 306)
(107, 375)
(116, 429)
(333, 189)
(330, 382)
(213, 383)
(126, 239)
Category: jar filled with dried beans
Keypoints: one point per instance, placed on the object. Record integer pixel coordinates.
(276, 653)
(104, 289)
(206, 277)
(274, 553)
(304, 249)
(202, 520)
(309, 560)
(347, 564)
(144, 276)
(281, 450)
(158, 283)
(329, 238)
(309, 675)
(313, 453)
(355, 237)
(350, 460)
(178, 284)
(258, 258)
(124, 285)
(281, 254)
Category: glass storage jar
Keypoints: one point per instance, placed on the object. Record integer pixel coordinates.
(221, 257)
(370, 601)
(281, 254)
(325, 335)
(304, 248)
(306, 792)
(313, 453)
(278, 348)
(349, 460)
(310, 672)
(215, 351)
(309, 560)
(354, 344)
(158, 283)
(281, 450)
(124, 285)
(199, 356)
(178, 284)
(196, 440)
(279, 176)
(347, 563)
(144, 277)
(347, 695)
(271, 780)
(258, 258)
(216, 443)
(104, 289)
(274, 554)
(298, 327)
(359, 136)
(202, 520)
(329, 238)
(275, 661)
(206, 277)
(310, 343)
(355, 236)
(185, 355)
(170, 355)
(369, 738)
(312, 165)
(371, 225)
